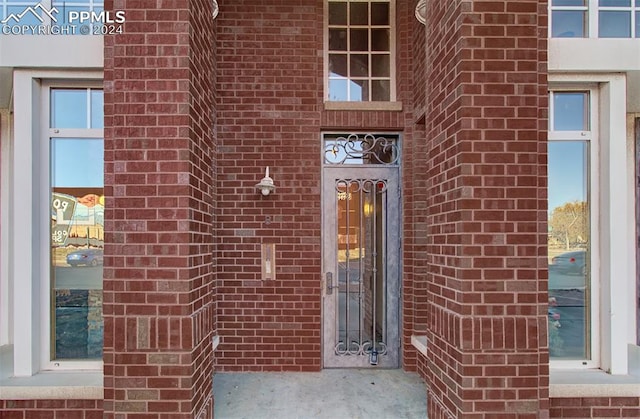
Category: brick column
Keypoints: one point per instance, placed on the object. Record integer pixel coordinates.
(486, 189)
(159, 148)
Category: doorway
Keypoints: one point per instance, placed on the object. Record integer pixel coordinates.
(361, 252)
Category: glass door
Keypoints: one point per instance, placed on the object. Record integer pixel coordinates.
(361, 267)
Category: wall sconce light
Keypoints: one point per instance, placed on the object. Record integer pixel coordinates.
(266, 185)
(215, 9)
(421, 11)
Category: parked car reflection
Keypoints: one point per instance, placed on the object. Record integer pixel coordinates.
(86, 257)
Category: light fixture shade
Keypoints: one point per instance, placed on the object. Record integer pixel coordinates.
(266, 185)
(215, 9)
(421, 11)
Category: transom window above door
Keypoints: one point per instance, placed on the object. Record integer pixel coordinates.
(359, 42)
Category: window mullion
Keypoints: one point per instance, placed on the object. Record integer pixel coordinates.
(593, 19)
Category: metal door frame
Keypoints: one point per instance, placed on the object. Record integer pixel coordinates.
(390, 173)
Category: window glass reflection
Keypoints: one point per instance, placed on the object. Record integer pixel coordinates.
(337, 39)
(569, 250)
(77, 225)
(380, 40)
(380, 13)
(359, 13)
(569, 2)
(359, 66)
(338, 89)
(570, 111)
(77, 242)
(380, 90)
(359, 39)
(337, 13)
(615, 3)
(615, 24)
(568, 23)
(97, 108)
(69, 108)
(359, 55)
(380, 65)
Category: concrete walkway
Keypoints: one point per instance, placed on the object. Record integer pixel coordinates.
(329, 394)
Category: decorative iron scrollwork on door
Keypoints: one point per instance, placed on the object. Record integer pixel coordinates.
(361, 149)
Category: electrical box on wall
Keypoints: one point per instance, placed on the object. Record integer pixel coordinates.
(268, 261)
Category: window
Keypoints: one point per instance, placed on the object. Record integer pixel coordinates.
(595, 18)
(571, 236)
(53, 209)
(77, 222)
(618, 18)
(592, 266)
(360, 45)
(569, 18)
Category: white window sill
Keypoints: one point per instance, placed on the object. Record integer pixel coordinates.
(578, 383)
(597, 383)
(362, 106)
(78, 385)
(592, 383)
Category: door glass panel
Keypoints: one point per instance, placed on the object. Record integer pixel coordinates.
(361, 250)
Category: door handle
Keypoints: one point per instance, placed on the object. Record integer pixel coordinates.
(329, 281)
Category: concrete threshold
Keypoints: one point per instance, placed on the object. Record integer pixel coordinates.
(330, 394)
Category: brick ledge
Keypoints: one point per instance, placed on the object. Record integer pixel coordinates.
(420, 343)
(85, 385)
(592, 383)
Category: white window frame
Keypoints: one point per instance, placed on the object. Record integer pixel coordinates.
(330, 104)
(614, 260)
(28, 252)
(593, 9)
(591, 137)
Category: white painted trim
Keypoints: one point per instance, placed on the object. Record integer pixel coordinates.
(29, 249)
(24, 255)
(592, 137)
(6, 286)
(616, 249)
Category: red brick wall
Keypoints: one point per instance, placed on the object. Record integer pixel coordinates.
(159, 147)
(595, 407)
(416, 255)
(51, 409)
(270, 92)
(485, 128)
(270, 113)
